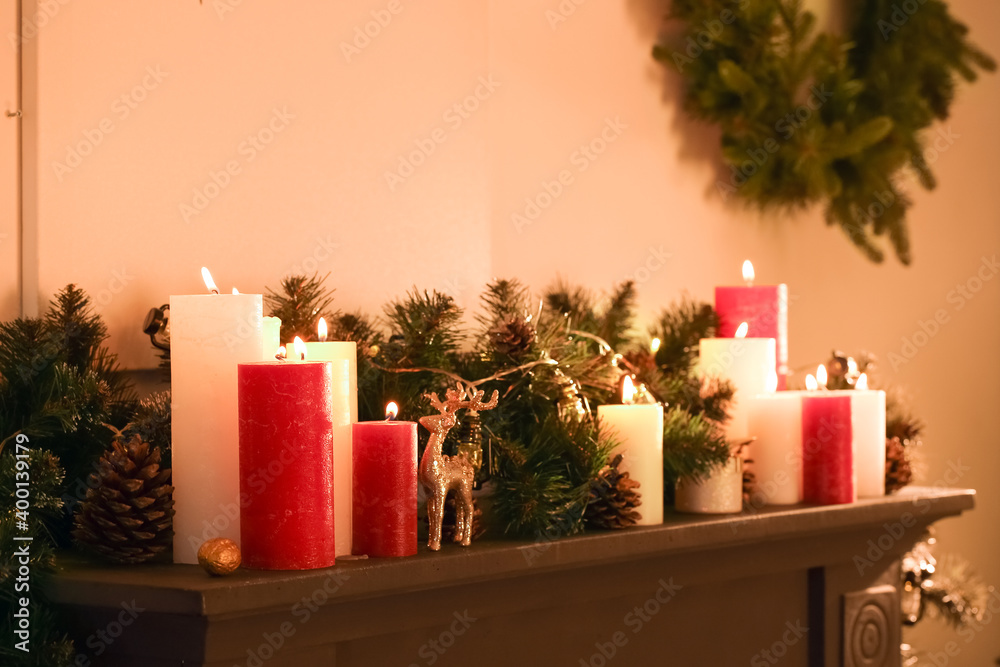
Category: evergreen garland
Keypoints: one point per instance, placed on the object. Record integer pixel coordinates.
(809, 119)
(60, 386)
(48, 645)
(538, 354)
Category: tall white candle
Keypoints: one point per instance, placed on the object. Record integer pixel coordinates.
(639, 432)
(344, 354)
(776, 421)
(748, 363)
(209, 335)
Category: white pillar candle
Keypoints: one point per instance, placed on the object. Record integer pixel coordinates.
(719, 493)
(776, 455)
(639, 432)
(345, 412)
(271, 338)
(748, 364)
(209, 335)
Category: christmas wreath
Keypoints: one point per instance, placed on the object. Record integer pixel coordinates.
(809, 118)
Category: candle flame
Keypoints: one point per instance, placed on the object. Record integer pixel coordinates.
(748, 274)
(391, 410)
(821, 377)
(654, 345)
(280, 354)
(742, 330)
(235, 291)
(321, 330)
(811, 383)
(206, 275)
(772, 382)
(300, 349)
(862, 382)
(628, 390)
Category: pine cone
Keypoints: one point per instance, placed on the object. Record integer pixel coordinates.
(513, 337)
(898, 467)
(749, 483)
(127, 515)
(448, 523)
(613, 499)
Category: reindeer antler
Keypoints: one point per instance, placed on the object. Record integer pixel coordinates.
(476, 402)
(453, 400)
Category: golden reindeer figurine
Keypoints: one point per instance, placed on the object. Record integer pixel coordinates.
(440, 474)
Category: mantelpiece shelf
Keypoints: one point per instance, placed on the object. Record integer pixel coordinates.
(537, 602)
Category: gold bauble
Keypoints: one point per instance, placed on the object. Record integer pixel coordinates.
(220, 556)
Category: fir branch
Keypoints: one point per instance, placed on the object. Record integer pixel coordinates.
(75, 329)
(679, 329)
(355, 327)
(151, 423)
(544, 486)
(300, 303)
(692, 446)
(617, 318)
(503, 299)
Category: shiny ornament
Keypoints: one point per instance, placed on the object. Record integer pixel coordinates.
(440, 474)
(572, 404)
(220, 556)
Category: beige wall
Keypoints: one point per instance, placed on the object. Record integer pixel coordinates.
(318, 194)
(10, 299)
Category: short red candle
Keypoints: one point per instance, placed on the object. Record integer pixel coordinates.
(385, 488)
(828, 476)
(286, 464)
(765, 310)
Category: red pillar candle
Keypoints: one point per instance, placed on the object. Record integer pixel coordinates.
(765, 310)
(385, 488)
(828, 476)
(286, 464)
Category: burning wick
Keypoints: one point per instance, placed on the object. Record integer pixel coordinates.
(391, 410)
(300, 348)
(206, 275)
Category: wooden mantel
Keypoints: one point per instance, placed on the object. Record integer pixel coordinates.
(791, 586)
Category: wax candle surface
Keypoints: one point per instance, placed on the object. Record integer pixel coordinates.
(868, 422)
(209, 335)
(765, 310)
(286, 464)
(385, 488)
(271, 338)
(639, 431)
(747, 363)
(828, 474)
(868, 427)
(721, 492)
(345, 413)
(776, 455)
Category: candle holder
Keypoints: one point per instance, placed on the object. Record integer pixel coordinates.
(720, 493)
